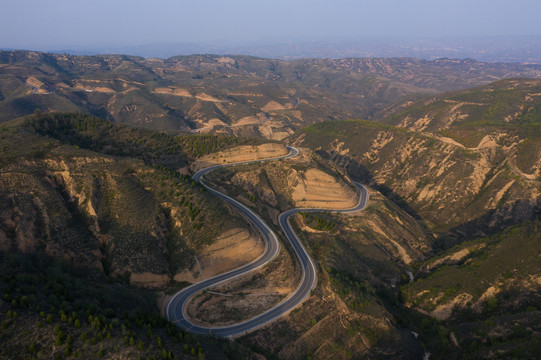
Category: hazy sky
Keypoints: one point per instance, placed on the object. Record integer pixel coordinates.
(40, 24)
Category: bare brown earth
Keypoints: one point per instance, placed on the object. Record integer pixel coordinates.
(232, 249)
(206, 97)
(246, 296)
(297, 182)
(32, 81)
(316, 189)
(84, 86)
(240, 153)
(208, 126)
(172, 90)
(251, 120)
(273, 106)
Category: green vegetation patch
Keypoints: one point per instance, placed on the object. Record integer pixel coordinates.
(355, 292)
(511, 254)
(528, 154)
(152, 146)
(319, 222)
(51, 309)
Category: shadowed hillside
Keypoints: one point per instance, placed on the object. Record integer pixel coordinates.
(87, 210)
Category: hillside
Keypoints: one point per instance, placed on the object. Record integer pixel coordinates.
(108, 197)
(350, 313)
(461, 167)
(466, 167)
(96, 227)
(487, 292)
(236, 94)
(51, 309)
(445, 258)
(89, 202)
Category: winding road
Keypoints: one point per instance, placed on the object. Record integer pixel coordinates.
(176, 309)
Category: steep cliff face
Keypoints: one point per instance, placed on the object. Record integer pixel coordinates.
(72, 211)
(37, 216)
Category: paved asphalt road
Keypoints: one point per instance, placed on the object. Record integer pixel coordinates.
(176, 307)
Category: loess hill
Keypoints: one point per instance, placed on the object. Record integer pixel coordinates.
(448, 247)
(87, 210)
(235, 94)
(465, 165)
(351, 312)
(109, 197)
(464, 162)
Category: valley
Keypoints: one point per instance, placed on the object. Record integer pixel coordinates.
(160, 182)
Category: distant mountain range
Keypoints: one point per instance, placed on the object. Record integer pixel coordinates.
(238, 95)
(521, 49)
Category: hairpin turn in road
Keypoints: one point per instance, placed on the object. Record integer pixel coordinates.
(176, 311)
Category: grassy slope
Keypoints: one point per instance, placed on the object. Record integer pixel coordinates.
(511, 107)
(494, 282)
(446, 185)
